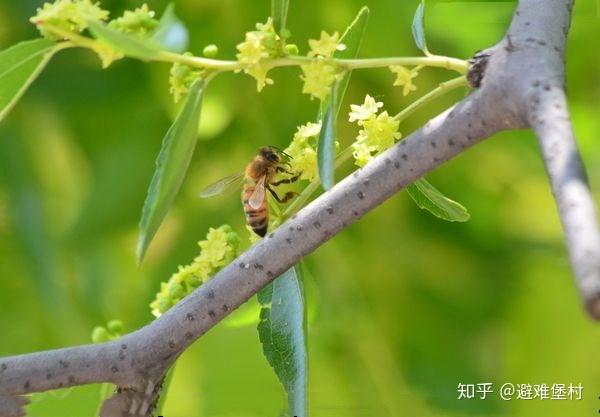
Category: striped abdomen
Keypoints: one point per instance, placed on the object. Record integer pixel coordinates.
(257, 219)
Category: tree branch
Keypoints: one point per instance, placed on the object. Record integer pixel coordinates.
(521, 85)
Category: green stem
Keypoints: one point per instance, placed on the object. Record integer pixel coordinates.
(440, 90)
(343, 156)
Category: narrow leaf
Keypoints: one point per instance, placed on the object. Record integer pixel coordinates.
(351, 39)
(282, 332)
(329, 109)
(171, 166)
(427, 197)
(171, 33)
(19, 67)
(418, 28)
(279, 11)
(129, 45)
(326, 144)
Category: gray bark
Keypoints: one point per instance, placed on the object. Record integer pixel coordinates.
(521, 85)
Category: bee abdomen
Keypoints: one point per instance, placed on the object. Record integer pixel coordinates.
(256, 218)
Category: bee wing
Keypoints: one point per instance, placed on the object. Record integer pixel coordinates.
(222, 185)
(258, 196)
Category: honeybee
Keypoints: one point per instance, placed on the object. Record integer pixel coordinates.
(260, 174)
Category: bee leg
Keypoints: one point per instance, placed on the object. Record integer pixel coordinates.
(285, 170)
(285, 198)
(286, 180)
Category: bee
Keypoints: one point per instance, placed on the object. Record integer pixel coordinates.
(260, 176)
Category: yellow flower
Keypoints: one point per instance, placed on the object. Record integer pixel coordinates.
(318, 76)
(138, 22)
(68, 15)
(258, 46)
(378, 133)
(325, 46)
(366, 110)
(217, 250)
(181, 78)
(404, 78)
(302, 151)
(106, 53)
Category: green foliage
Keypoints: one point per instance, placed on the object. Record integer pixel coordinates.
(171, 167)
(19, 67)
(418, 28)
(330, 107)
(282, 332)
(129, 45)
(279, 11)
(429, 198)
(326, 143)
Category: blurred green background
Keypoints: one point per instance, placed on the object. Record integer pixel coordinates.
(406, 306)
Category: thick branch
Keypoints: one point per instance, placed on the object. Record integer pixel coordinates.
(521, 86)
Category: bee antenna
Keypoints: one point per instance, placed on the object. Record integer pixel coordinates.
(278, 149)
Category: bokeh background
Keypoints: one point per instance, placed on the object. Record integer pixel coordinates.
(404, 306)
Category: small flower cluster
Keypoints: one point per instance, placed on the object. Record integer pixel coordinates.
(259, 45)
(113, 330)
(302, 151)
(218, 249)
(67, 15)
(320, 73)
(378, 133)
(139, 22)
(181, 78)
(404, 78)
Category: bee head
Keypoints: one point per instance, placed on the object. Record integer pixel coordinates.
(269, 154)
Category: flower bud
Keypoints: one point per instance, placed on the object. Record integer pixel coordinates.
(210, 51)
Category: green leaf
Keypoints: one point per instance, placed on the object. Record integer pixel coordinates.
(19, 67)
(427, 197)
(282, 332)
(171, 33)
(279, 11)
(418, 28)
(129, 45)
(171, 166)
(330, 108)
(326, 144)
(352, 39)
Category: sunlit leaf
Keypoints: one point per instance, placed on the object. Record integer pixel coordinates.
(282, 332)
(171, 166)
(171, 33)
(418, 28)
(351, 39)
(19, 67)
(329, 109)
(246, 315)
(129, 45)
(427, 197)
(326, 144)
(279, 10)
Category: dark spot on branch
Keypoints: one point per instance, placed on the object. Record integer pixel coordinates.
(541, 42)
(71, 379)
(366, 183)
(360, 195)
(210, 295)
(270, 274)
(114, 369)
(404, 156)
(299, 228)
(288, 240)
(190, 317)
(330, 210)
(477, 66)
(527, 23)
(63, 364)
(258, 266)
(172, 344)
(123, 346)
(388, 161)
(355, 213)
(3, 367)
(225, 308)
(317, 225)
(26, 385)
(48, 376)
(271, 236)
(121, 355)
(212, 314)
(396, 164)
(189, 335)
(547, 87)
(450, 142)
(291, 228)
(433, 144)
